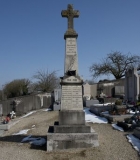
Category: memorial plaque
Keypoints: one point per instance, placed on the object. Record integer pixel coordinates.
(71, 59)
(71, 47)
(71, 97)
(72, 79)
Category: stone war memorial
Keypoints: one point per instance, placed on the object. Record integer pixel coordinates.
(71, 130)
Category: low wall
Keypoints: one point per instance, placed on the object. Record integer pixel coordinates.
(25, 104)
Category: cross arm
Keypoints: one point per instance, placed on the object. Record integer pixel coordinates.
(64, 13)
(76, 13)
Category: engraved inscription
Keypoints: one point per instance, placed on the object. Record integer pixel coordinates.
(71, 48)
(71, 97)
(72, 80)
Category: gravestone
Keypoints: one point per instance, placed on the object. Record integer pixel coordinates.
(71, 131)
(57, 95)
(131, 85)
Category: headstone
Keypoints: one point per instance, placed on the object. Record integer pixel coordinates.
(86, 89)
(57, 95)
(131, 85)
(56, 99)
(71, 131)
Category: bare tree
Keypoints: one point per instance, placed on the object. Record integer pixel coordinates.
(115, 64)
(46, 81)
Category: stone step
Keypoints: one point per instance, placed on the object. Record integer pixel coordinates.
(72, 129)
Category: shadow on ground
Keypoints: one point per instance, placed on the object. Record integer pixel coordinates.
(19, 138)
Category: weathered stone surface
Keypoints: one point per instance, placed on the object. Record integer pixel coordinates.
(98, 108)
(71, 97)
(70, 13)
(115, 118)
(72, 129)
(71, 58)
(56, 107)
(57, 141)
(71, 118)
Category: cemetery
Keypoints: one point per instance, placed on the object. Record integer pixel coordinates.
(77, 117)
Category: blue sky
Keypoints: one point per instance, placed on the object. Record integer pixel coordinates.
(32, 31)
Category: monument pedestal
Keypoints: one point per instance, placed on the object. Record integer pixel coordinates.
(71, 132)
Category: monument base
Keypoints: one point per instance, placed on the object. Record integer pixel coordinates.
(59, 141)
(68, 134)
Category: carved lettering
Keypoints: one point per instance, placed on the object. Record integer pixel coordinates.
(71, 97)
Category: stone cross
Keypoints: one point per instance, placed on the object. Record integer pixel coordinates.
(70, 14)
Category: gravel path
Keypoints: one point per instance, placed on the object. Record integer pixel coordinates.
(113, 144)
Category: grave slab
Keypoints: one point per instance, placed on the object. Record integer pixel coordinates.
(98, 108)
(115, 118)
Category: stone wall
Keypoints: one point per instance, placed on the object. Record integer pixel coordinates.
(26, 104)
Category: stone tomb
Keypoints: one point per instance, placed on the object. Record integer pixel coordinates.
(71, 131)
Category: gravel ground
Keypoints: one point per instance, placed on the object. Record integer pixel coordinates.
(113, 144)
